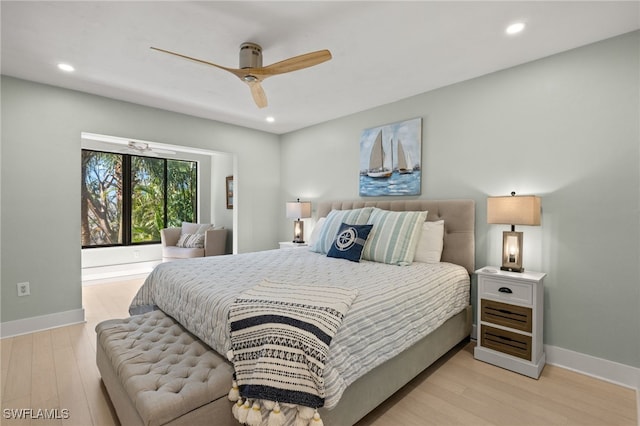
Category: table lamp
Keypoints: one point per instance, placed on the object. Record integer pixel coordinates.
(513, 210)
(297, 210)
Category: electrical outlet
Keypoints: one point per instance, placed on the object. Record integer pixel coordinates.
(23, 289)
(136, 254)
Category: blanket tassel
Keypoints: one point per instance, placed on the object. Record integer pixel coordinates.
(236, 407)
(243, 412)
(254, 417)
(304, 417)
(316, 421)
(234, 392)
(276, 418)
(268, 405)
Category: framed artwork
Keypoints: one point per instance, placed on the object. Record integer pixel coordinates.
(229, 192)
(390, 159)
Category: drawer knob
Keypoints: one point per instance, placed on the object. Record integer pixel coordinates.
(505, 290)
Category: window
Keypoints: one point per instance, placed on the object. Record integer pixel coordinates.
(128, 199)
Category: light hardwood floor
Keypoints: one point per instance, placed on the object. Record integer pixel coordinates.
(56, 369)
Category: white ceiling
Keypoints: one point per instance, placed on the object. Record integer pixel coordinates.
(382, 51)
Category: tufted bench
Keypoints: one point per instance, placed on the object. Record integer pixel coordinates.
(157, 373)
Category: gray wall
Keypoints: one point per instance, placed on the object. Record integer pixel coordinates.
(40, 186)
(565, 128)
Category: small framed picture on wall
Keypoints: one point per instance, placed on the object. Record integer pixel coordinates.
(229, 191)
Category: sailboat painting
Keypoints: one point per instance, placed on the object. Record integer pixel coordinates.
(390, 158)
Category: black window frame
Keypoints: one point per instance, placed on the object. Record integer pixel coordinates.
(127, 192)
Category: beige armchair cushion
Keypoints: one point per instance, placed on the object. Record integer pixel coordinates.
(215, 242)
(170, 236)
(173, 252)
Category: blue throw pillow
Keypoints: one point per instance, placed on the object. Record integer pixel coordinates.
(349, 242)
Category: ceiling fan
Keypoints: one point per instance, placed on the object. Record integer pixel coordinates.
(144, 148)
(253, 73)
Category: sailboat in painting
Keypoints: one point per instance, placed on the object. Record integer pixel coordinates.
(403, 160)
(376, 160)
(389, 161)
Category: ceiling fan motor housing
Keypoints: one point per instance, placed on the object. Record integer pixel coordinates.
(250, 55)
(139, 146)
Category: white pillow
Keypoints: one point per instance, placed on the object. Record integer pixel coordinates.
(195, 228)
(315, 234)
(431, 242)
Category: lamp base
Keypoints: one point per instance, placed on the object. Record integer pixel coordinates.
(298, 231)
(511, 269)
(512, 251)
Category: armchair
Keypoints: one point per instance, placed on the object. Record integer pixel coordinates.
(215, 241)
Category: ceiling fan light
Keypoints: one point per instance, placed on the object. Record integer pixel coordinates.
(249, 78)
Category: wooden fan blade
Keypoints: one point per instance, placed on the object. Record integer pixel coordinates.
(237, 72)
(259, 97)
(253, 76)
(292, 64)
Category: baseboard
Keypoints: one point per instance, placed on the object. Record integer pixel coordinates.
(610, 371)
(44, 322)
(110, 273)
(114, 279)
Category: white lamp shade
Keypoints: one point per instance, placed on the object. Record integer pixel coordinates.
(299, 209)
(514, 210)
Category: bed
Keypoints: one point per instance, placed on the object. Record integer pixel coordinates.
(369, 358)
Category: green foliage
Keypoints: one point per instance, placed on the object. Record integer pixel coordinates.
(147, 196)
(103, 189)
(181, 192)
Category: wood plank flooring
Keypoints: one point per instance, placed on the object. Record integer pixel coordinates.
(463, 391)
(55, 370)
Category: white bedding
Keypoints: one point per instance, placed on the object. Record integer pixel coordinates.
(396, 305)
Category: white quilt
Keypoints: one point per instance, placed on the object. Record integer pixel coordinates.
(396, 305)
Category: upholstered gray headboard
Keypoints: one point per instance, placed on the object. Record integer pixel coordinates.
(459, 222)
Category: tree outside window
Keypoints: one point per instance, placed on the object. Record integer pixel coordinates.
(128, 199)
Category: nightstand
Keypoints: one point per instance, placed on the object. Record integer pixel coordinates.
(291, 245)
(510, 309)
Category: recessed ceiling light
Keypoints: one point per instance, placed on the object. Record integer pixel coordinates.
(66, 67)
(515, 28)
(270, 119)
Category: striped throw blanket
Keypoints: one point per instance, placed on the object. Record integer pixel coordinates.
(280, 336)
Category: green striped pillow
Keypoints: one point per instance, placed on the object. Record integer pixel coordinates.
(331, 225)
(394, 236)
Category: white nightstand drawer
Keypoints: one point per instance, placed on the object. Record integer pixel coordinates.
(509, 291)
